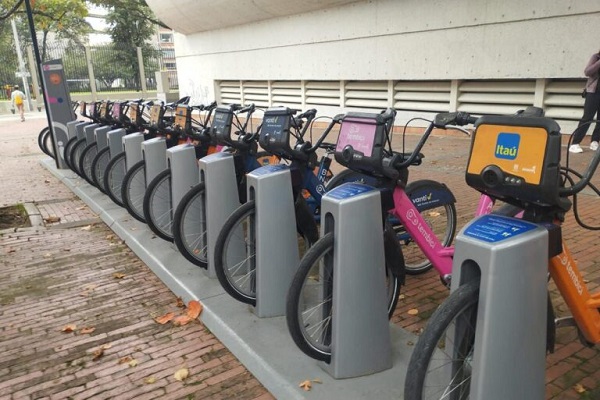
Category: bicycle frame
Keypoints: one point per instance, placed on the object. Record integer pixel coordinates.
(583, 305)
(408, 214)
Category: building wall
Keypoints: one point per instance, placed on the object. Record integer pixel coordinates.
(391, 42)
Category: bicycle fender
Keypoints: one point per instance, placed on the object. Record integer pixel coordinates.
(426, 194)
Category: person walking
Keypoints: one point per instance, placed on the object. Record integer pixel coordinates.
(18, 101)
(591, 107)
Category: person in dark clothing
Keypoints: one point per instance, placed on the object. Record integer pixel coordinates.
(591, 107)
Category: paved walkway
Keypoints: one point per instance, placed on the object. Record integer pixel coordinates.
(64, 273)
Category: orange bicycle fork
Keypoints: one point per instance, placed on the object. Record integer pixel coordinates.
(583, 305)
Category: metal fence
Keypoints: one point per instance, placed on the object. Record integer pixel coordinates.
(112, 67)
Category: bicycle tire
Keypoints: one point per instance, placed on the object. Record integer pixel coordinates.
(241, 224)
(318, 285)
(158, 206)
(189, 226)
(441, 220)
(68, 148)
(99, 167)
(76, 151)
(133, 190)
(85, 162)
(113, 178)
(45, 142)
(462, 302)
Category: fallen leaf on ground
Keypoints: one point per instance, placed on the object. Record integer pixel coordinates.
(180, 303)
(10, 251)
(47, 181)
(401, 297)
(52, 220)
(133, 363)
(163, 319)
(413, 311)
(306, 385)
(85, 331)
(98, 353)
(125, 360)
(118, 275)
(317, 380)
(80, 208)
(181, 320)
(87, 228)
(69, 328)
(434, 214)
(194, 309)
(579, 388)
(110, 237)
(150, 380)
(181, 374)
(47, 255)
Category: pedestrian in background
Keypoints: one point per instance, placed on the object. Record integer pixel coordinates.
(591, 107)
(18, 101)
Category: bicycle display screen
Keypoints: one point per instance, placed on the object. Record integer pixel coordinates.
(82, 108)
(133, 112)
(275, 132)
(358, 133)
(181, 116)
(103, 110)
(155, 114)
(221, 126)
(116, 110)
(92, 109)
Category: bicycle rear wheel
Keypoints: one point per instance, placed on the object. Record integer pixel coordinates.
(158, 206)
(440, 365)
(189, 226)
(309, 305)
(133, 190)
(45, 142)
(235, 254)
(85, 162)
(113, 178)
(99, 167)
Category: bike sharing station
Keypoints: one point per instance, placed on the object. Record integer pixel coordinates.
(363, 342)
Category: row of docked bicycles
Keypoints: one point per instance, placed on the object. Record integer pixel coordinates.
(418, 218)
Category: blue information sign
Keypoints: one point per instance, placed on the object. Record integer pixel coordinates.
(269, 169)
(348, 190)
(495, 228)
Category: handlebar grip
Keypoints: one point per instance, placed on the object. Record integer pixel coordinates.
(463, 118)
(246, 109)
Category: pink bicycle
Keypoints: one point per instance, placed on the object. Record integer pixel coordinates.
(361, 147)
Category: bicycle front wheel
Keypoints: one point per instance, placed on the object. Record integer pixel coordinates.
(113, 178)
(99, 167)
(45, 142)
(189, 226)
(85, 162)
(441, 362)
(235, 254)
(67, 150)
(75, 155)
(158, 206)
(309, 306)
(133, 190)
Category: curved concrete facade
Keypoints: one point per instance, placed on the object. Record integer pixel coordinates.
(387, 40)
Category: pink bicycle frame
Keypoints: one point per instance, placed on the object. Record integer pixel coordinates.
(419, 230)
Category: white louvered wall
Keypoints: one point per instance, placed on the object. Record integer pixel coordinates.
(561, 99)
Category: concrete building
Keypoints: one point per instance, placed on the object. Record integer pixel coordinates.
(419, 56)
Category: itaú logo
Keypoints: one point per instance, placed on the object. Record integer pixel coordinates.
(507, 145)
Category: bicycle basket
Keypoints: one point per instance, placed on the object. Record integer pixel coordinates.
(220, 128)
(516, 159)
(275, 132)
(365, 134)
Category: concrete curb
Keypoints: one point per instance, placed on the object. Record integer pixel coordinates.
(263, 345)
(35, 217)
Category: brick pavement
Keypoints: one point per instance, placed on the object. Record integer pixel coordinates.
(168, 349)
(55, 277)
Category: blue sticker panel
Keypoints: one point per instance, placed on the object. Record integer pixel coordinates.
(494, 228)
(507, 145)
(348, 190)
(269, 169)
